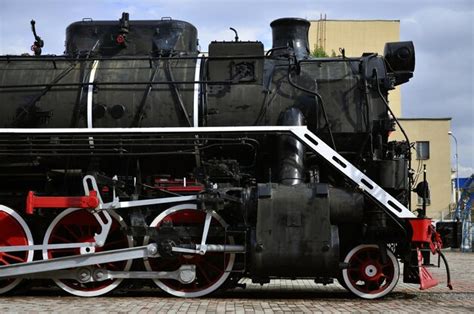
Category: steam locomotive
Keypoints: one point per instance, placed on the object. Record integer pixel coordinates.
(133, 156)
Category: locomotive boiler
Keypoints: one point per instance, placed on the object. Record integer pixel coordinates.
(134, 156)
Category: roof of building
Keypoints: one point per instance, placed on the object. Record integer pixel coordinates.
(334, 20)
(428, 119)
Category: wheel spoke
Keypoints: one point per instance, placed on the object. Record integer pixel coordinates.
(114, 243)
(201, 270)
(367, 277)
(212, 266)
(65, 250)
(71, 232)
(62, 239)
(89, 230)
(14, 232)
(83, 230)
(209, 276)
(13, 257)
(358, 258)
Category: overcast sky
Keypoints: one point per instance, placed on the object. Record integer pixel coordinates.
(443, 31)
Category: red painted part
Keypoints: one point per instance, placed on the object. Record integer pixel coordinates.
(163, 181)
(381, 279)
(426, 279)
(436, 243)
(33, 201)
(120, 39)
(12, 233)
(183, 188)
(81, 226)
(178, 186)
(422, 231)
(209, 268)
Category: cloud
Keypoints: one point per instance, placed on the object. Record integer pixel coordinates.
(465, 172)
(443, 84)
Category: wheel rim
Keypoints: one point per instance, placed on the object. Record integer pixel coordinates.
(15, 231)
(79, 225)
(367, 276)
(212, 269)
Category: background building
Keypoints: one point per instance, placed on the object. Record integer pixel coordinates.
(431, 148)
(429, 136)
(356, 37)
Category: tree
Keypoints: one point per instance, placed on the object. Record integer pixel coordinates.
(319, 53)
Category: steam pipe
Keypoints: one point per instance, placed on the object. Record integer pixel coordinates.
(291, 151)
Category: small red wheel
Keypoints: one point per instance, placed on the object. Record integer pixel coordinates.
(367, 276)
(212, 269)
(79, 225)
(14, 231)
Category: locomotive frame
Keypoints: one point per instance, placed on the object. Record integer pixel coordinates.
(232, 217)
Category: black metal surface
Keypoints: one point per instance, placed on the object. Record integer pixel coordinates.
(451, 233)
(293, 33)
(146, 77)
(345, 207)
(294, 236)
(389, 174)
(400, 60)
(160, 37)
(291, 151)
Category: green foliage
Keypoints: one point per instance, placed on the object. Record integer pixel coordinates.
(319, 53)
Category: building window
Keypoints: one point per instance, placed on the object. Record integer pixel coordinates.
(420, 201)
(422, 150)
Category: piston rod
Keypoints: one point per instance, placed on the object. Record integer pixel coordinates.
(13, 270)
(185, 274)
(146, 251)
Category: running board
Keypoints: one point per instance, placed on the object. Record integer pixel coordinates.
(369, 187)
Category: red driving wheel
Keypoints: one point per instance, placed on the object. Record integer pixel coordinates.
(367, 275)
(212, 269)
(13, 232)
(79, 225)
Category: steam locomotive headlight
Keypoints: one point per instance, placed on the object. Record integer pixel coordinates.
(400, 60)
(400, 56)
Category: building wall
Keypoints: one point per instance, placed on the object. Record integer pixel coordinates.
(438, 166)
(357, 37)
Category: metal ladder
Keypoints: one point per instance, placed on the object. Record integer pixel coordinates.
(463, 211)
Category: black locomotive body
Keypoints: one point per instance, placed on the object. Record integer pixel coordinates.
(139, 157)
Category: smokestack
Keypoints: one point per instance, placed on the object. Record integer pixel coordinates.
(292, 32)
